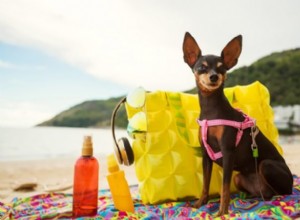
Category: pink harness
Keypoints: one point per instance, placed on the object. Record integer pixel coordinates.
(247, 123)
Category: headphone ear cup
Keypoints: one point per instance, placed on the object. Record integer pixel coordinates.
(126, 151)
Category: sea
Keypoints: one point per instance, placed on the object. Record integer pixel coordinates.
(53, 142)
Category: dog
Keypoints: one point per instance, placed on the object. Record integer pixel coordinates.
(228, 137)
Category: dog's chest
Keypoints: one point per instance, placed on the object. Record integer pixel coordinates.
(216, 132)
(215, 137)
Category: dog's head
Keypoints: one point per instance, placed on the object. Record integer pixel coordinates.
(210, 70)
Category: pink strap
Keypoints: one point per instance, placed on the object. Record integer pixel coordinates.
(247, 123)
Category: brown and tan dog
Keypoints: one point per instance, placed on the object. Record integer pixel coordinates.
(230, 138)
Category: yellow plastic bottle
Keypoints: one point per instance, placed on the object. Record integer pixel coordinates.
(118, 186)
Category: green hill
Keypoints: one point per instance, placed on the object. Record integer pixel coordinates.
(94, 113)
(280, 72)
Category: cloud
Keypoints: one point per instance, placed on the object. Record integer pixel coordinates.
(9, 65)
(139, 43)
(117, 41)
(6, 65)
(26, 114)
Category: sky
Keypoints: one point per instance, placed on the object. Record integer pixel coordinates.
(55, 54)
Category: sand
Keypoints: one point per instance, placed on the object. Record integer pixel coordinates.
(59, 172)
(49, 173)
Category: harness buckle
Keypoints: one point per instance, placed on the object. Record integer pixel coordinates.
(254, 132)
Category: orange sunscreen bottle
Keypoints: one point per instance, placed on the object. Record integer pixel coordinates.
(118, 186)
(85, 191)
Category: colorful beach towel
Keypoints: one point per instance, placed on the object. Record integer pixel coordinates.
(59, 206)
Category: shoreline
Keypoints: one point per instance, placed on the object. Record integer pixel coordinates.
(58, 172)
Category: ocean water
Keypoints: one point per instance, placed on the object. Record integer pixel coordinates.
(52, 142)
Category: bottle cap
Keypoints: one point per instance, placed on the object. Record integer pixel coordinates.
(87, 147)
(112, 164)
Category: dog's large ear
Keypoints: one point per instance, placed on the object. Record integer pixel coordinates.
(191, 50)
(232, 51)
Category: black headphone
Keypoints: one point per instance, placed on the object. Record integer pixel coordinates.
(122, 147)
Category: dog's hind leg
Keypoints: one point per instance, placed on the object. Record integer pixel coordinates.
(273, 178)
(253, 184)
(277, 175)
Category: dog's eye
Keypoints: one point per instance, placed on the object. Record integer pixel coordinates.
(202, 69)
(221, 69)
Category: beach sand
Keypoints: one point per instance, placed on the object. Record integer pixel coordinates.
(52, 172)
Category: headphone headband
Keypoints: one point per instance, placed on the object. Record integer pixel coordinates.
(122, 147)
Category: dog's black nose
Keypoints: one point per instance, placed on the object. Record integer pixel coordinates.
(213, 78)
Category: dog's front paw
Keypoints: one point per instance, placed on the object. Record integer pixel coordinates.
(200, 202)
(221, 213)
